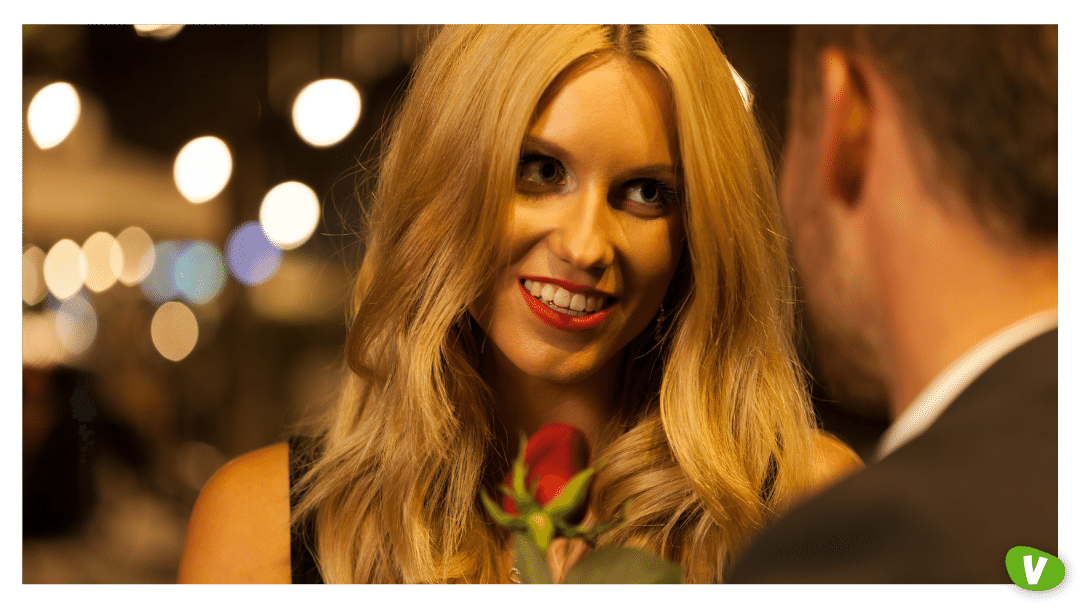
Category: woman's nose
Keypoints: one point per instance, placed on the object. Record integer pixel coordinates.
(584, 235)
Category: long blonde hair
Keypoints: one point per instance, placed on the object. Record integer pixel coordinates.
(714, 434)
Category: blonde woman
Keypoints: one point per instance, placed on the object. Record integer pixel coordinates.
(573, 224)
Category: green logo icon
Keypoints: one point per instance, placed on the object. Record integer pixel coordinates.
(1034, 570)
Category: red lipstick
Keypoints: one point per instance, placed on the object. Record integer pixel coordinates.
(567, 285)
(557, 319)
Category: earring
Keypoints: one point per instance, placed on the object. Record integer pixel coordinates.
(658, 331)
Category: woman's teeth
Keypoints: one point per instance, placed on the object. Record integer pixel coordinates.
(560, 299)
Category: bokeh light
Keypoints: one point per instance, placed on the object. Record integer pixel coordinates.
(199, 273)
(159, 286)
(52, 114)
(103, 256)
(289, 214)
(76, 325)
(251, 257)
(326, 111)
(174, 330)
(40, 346)
(65, 269)
(33, 281)
(202, 169)
(137, 255)
(160, 32)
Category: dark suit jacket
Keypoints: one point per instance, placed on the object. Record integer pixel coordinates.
(943, 508)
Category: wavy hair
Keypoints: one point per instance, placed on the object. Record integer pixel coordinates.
(714, 432)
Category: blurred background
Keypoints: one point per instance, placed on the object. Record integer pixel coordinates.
(189, 237)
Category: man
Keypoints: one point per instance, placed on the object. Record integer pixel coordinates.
(920, 187)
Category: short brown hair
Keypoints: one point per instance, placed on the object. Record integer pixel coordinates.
(984, 96)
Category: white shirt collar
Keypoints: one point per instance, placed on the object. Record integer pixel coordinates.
(948, 385)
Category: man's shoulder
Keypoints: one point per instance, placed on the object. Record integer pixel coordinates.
(897, 522)
(848, 533)
(946, 506)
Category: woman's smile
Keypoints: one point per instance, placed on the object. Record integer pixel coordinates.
(564, 305)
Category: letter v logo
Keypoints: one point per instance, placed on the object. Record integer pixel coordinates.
(1034, 570)
(1033, 574)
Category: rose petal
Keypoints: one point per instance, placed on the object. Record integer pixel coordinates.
(553, 455)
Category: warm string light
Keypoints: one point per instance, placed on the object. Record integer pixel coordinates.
(52, 114)
(40, 345)
(103, 259)
(289, 214)
(34, 289)
(159, 32)
(137, 255)
(63, 335)
(202, 169)
(326, 111)
(65, 331)
(174, 330)
(64, 269)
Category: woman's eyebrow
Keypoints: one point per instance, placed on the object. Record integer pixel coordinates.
(535, 144)
(662, 171)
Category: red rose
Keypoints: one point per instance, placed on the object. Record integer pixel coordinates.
(553, 455)
(550, 482)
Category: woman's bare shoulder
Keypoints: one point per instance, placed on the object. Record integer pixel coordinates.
(833, 461)
(239, 528)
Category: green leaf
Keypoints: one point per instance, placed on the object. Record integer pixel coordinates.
(530, 561)
(575, 531)
(519, 467)
(517, 492)
(525, 502)
(624, 565)
(541, 528)
(573, 495)
(501, 517)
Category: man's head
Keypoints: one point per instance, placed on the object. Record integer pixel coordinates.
(974, 110)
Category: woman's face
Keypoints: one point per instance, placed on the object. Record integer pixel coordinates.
(596, 229)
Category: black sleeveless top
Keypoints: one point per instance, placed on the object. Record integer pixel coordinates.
(302, 534)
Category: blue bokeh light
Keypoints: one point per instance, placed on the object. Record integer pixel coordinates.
(198, 272)
(251, 257)
(159, 286)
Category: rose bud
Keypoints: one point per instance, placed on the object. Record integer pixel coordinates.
(553, 455)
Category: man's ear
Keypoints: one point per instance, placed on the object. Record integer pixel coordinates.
(846, 125)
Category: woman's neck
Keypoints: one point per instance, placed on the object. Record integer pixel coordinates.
(526, 403)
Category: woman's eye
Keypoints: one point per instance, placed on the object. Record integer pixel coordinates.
(651, 192)
(543, 170)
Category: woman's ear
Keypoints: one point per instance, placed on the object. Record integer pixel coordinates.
(846, 130)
